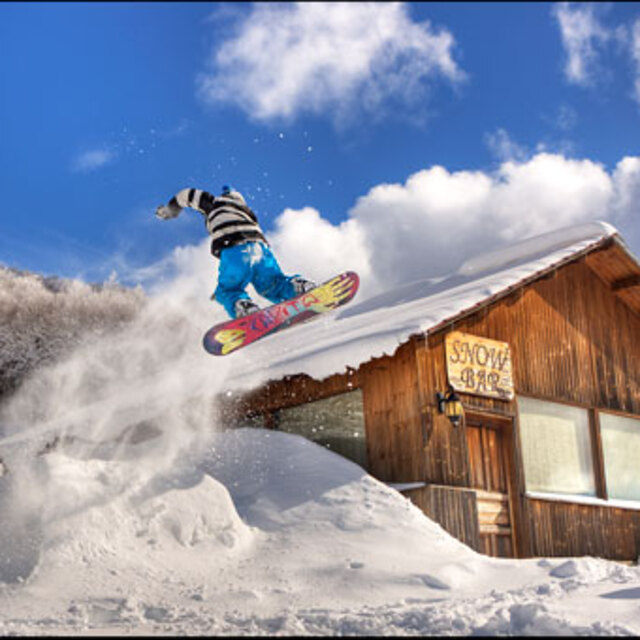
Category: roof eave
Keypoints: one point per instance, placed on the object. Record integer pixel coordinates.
(537, 275)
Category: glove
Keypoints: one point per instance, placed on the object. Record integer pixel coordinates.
(167, 211)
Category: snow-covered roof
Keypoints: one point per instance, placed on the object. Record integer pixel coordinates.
(377, 326)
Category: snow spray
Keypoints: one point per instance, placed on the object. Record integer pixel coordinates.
(143, 393)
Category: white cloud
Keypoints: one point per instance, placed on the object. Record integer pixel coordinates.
(92, 160)
(586, 39)
(504, 147)
(566, 118)
(582, 36)
(328, 58)
(306, 243)
(627, 181)
(187, 272)
(429, 225)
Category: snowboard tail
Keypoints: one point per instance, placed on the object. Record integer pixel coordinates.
(226, 337)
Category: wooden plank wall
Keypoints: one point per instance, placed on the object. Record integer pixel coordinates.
(615, 266)
(454, 509)
(445, 452)
(562, 529)
(393, 419)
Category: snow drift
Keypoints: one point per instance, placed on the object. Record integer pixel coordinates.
(267, 533)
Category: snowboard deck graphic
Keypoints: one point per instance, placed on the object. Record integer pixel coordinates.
(232, 335)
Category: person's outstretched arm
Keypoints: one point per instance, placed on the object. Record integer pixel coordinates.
(197, 199)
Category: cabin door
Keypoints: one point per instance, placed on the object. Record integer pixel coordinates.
(490, 477)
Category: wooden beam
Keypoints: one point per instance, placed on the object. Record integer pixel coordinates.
(597, 455)
(626, 283)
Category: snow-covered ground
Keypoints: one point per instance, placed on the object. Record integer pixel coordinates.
(203, 531)
(258, 532)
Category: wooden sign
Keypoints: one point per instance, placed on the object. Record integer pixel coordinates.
(479, 366)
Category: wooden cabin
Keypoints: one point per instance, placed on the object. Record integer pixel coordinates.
(546, 458)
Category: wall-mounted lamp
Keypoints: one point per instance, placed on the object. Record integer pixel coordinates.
(450, 405)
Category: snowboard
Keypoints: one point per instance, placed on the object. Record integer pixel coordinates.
(229, 336)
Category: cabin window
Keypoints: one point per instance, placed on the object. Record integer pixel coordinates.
(621, 450)
(556, 448)
(336, 423)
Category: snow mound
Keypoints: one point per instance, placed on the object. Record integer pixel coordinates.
(97, 516)
(151, 520)
(258, 532)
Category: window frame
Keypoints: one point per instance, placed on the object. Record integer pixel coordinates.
(632, 416)
(568, 497)
(597, 450)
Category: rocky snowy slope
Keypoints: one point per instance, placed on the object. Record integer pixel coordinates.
(42, 318)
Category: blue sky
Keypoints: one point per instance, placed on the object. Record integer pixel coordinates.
(341, 124)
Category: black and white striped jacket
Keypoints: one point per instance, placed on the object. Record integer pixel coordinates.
(228, 218)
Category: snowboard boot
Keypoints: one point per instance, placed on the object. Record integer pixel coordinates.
(244, 307)
(301, 285)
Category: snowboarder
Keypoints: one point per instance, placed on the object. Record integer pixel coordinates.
(240, 245)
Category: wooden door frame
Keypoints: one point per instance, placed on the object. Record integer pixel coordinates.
(506, 425)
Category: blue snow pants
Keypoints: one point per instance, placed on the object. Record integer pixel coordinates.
(250, 263)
